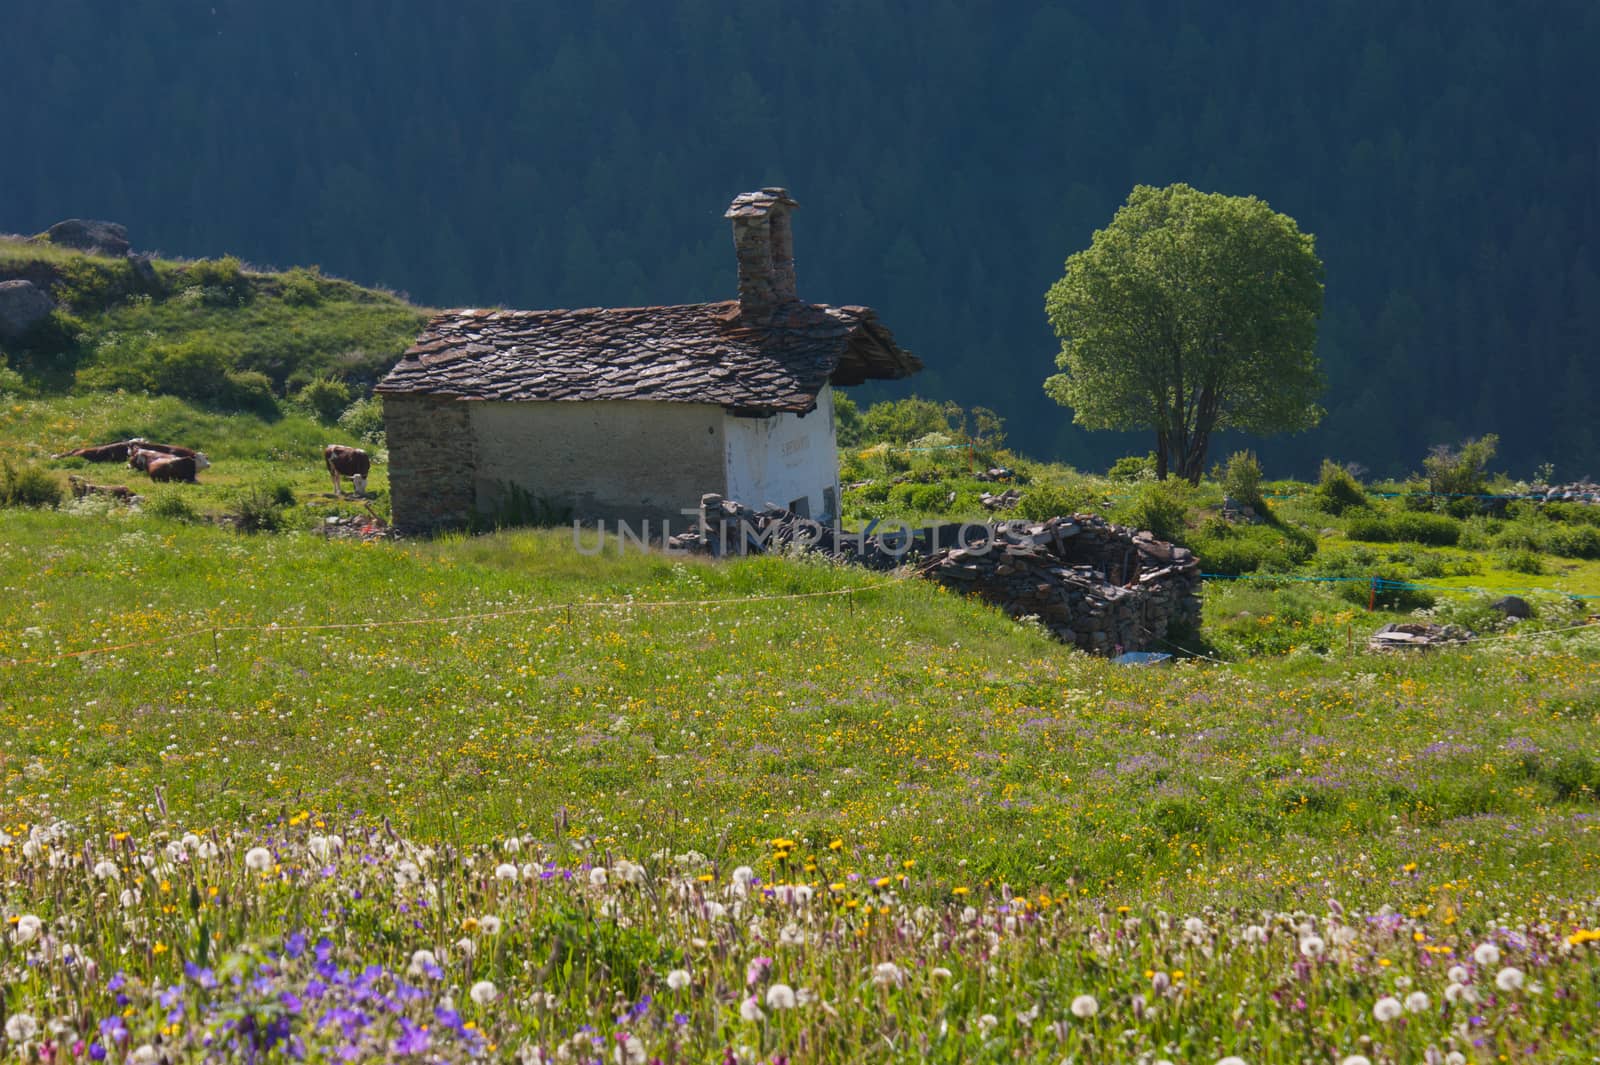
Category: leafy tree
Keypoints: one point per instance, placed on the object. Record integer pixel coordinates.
(1190, 313)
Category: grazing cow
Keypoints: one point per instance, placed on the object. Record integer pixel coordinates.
(352, 462)
(163, 467)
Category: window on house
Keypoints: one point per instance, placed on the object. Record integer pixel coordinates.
(801, 506)
(830, 503)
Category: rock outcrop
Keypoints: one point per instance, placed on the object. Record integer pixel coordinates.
(101, 238)
(22, 305)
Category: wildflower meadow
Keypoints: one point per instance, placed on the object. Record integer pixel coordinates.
(280, 798)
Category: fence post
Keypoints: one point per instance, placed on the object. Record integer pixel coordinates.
(1372, 596)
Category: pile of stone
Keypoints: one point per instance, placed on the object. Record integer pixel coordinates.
(1576, 492)
(1102, 587)
(1416, 636)
(1004, 501)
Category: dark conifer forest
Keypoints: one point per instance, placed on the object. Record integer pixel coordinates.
(948, 158)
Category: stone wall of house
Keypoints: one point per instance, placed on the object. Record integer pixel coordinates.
(431, 456)
(624, 460)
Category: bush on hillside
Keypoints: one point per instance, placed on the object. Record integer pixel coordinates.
(1412, 526)
(256, 509)
(27, 486)
(1241, 480)
(302, 286)
(1042, 501)
(1337, 491)
(11, 382)
(221, 281)
(364, 418)
(1223, 547)
(326, 397)
(1133, 468)
(1161, 507)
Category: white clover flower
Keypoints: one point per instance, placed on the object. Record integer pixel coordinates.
(1455, 1057)
(27, 928)
(512, 845)
(1255, 934)
(1357, 1059)
(629, 1051)
(407, 872)
(749, 1010)
(484, 992)
(1085, 1006)
(505, 871)
(31, 849)
(986, 1023)
(21, 1027)
(887, 974)
(1417, 1002)
(780, 997)
(190, 841)
(319, 847)
(258, 858)
(106, 869)
(1029, 1015)
(466, 948)
(1194, 926)
(1509, 979)
(421, 959)
(678, 979)
(1387, 1009)
(1457, 974)
(209, 850)
(1230, 1060)
(145, 1055)
(1486, 955)
(1313, 946)
(597, 876)
(939, 972)
(489, 924)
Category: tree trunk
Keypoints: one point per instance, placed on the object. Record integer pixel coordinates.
(1161, 454)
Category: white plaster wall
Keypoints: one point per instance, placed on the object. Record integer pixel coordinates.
(784, 457)
(623, 460)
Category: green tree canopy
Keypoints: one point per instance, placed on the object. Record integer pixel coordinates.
(1192, 312)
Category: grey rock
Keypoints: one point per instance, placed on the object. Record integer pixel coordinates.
(144, 274)
(1513, 606)
(102, 238)
(22, 305)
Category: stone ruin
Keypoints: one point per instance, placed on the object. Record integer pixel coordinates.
(1104, 588)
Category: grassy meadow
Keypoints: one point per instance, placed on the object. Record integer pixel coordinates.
(514, 797)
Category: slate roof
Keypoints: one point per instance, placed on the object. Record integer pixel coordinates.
(694, 353)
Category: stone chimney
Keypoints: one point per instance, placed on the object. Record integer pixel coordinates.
(765, 245)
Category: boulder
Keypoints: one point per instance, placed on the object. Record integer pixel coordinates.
(22, 305)
(1513, 606)
(144, 274)
(102, 238)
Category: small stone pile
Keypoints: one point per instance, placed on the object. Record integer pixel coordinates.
(1102, 587)
(1576, 492)
(1416, 636)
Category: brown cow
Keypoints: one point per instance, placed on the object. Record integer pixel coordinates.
(163, 467)
(352, 462)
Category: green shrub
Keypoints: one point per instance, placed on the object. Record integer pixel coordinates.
(248, 390)
(88, 283)
(1573, 541)
(1520, 560)
(1435, 529)
(1234, 549)
(1462, 470)
(364, 418)
(1388, 597)
(1337, 491)
(1133, 468)
(901, 421)
(302, 287)
(256, 509)
(326, 397)
(11, 382)
(171, 504)
(27, 486)
(221, 281)
(1161, 507)
(1241, 480)
(930, 498)
(1042, 501)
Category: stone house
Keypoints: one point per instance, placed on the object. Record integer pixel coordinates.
(634, 413)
